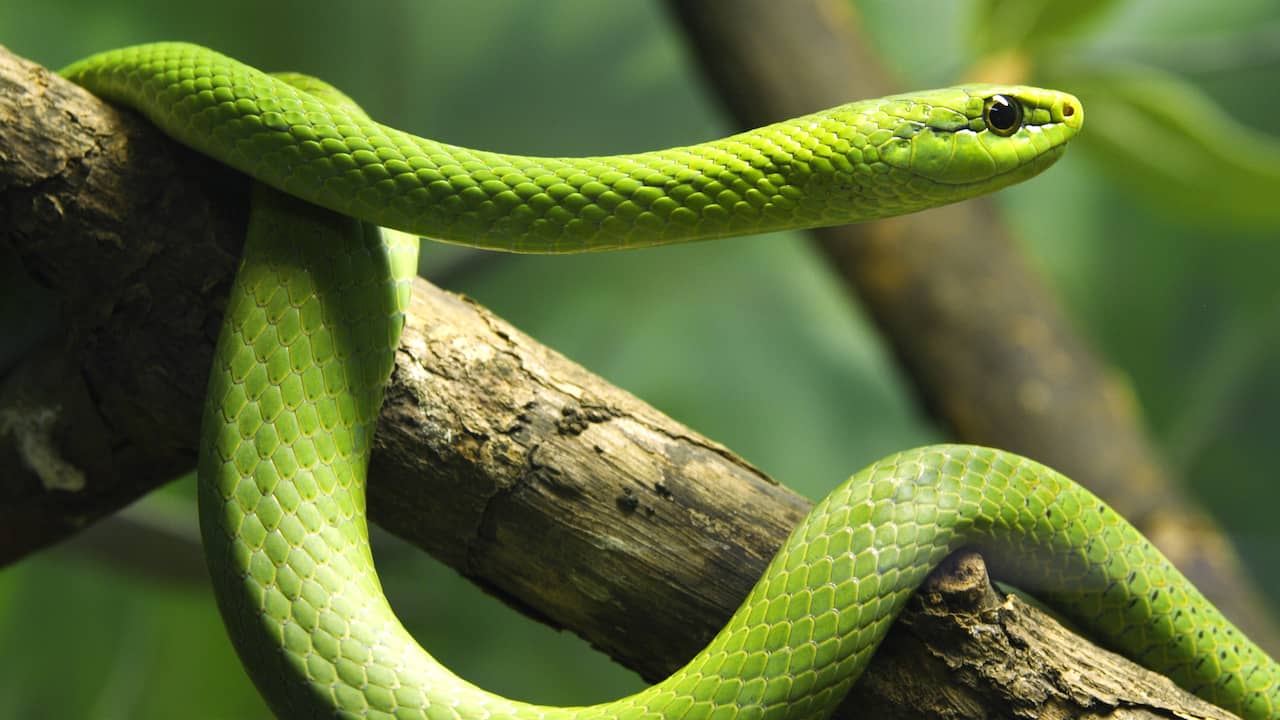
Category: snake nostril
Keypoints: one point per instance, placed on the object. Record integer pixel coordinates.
(1068, 110)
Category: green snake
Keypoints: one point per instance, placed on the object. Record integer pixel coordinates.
(312, 325)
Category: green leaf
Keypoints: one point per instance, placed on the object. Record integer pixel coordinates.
(1178, 149)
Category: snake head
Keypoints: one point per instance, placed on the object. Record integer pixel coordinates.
(977, 138)
(964, 141)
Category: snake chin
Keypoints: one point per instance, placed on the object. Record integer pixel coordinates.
(1001, 179)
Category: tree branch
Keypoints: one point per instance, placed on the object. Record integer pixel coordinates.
(491, 448)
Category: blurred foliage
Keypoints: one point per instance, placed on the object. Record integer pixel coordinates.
(1159, 231)
(997, 25)
(1206, 167)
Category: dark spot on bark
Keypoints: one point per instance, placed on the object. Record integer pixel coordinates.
(572, 421)
(627, 502)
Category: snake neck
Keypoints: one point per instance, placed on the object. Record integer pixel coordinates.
(860, 161)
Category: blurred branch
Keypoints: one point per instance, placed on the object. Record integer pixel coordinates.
(986, 346)
(491, 448)
(154, 541)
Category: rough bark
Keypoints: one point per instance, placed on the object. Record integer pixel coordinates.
(984, 342)
(491, 448)
(993, 656)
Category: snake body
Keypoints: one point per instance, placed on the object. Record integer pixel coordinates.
(312, 325)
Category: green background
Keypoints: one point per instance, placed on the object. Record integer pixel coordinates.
(750, 341)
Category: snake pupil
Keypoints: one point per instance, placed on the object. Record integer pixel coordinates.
(1002, 115)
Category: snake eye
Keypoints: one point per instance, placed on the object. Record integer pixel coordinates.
(1002, 115)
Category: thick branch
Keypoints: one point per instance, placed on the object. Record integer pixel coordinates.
(985, 344)
(491, 448)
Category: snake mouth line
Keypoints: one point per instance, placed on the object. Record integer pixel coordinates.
(1037, 165)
